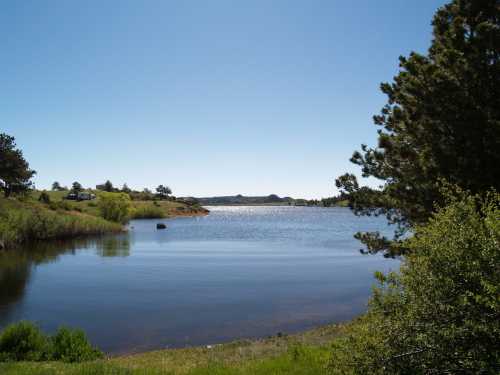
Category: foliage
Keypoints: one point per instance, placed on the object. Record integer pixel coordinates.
(145, 195)
(163, 191)
(126, 189)
(441, 313)
(56, 186)
(297, 360)
(22, 222)
(442, 121)
(23, 341)
(44, 197)
(76, 187)
(72, 345)
(15, 174)
(114, 206)
(147, 212)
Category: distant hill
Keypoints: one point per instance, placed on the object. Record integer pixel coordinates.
(272, 199)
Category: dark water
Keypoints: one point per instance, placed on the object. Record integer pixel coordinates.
(239, 272)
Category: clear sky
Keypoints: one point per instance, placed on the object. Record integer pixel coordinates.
(209, 97)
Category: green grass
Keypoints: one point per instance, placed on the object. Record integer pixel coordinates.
(165, 208)
(22, 222)
(147, 212)
(303, 361)
(140, 209)
(302, 354)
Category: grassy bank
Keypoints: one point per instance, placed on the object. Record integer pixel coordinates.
(140, 209)
(164, 209)
(26, 220)
(22, 222)
(305, 353)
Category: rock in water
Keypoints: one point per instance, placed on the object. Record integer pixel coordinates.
(160, 226)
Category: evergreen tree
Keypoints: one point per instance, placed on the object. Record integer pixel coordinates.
(163, 191)
(15, 174)
(441, 122)
(76, 187)
(108, 186)
(126, 189)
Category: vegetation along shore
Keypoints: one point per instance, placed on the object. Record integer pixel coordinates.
(33, 215)
(437, 160)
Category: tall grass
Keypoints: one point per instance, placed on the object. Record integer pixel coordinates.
(302, 360)
(147, 212)
(24, 223)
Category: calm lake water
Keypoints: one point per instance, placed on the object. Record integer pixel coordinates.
(238, 272)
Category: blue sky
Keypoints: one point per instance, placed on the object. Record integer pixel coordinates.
(209, 97)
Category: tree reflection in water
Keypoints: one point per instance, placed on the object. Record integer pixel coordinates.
(113, 246)
(16, 265)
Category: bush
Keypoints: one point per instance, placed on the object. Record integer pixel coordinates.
(24, 224)
(23, 341)
(61, 205)
(72, 346)
(44, 197)
(114, 206)
(147, 212)
(441, 313)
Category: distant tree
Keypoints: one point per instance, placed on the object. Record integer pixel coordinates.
(76, 187)
(163, 191)
(15, 174)
(56, 186)
(108, 186)
(126, 189)
(441, 122)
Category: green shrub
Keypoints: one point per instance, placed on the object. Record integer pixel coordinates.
(147, 212)
(44, 197)
(23, 341)
(24, 224)
(441, 313)
(71, 345)
(64, 205)
(114, 206)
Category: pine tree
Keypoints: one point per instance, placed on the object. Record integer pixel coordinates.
(441, 121)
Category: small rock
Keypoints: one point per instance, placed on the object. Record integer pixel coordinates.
(160, 226)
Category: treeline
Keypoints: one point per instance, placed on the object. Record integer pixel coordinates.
(339, 200)
(161, 191)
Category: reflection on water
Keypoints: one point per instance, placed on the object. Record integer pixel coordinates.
(238, 272)
(116, 246)
(16, 265)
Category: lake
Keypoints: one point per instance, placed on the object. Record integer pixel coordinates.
(240, 272)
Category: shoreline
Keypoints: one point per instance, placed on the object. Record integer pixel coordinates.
(304, 352)
(26, 221)
(321, 334)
